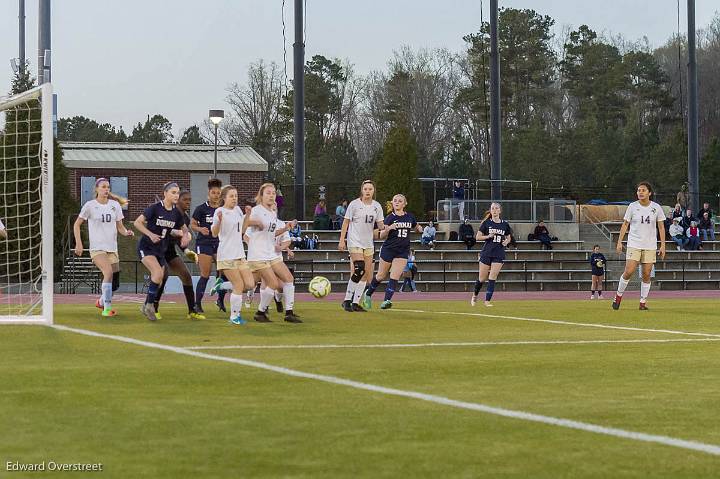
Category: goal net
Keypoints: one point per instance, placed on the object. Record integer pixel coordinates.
(26, 207)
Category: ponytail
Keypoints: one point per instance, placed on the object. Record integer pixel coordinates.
(120, 199)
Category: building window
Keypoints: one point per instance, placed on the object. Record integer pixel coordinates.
(118, 185)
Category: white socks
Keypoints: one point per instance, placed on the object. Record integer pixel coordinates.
(622, 284)
(359, 291)
(289, 296)
(106, 299)
(644, 291)
(350, 292)
(266, 295)
(235, 305)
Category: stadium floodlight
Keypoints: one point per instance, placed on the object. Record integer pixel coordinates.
(216, 116)
(26, 208)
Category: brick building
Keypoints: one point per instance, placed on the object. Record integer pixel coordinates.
(138, 171)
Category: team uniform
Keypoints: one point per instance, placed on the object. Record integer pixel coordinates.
(230, 249)
(102, 225)
(641, 244)
(261, 247)
(397, 243)
(160, 221)
(597, 264)
(171, 252)
(205, 244)
(363, 219)
(642, 238)
(493, 250)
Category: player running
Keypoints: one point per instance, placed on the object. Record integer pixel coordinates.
(263, 258)
(176, 265)
(394, 251)
(228, 225)
(104, 216)
(497, 234)
(159, 223)
(645, 219)
(205, 243)
(361, 217)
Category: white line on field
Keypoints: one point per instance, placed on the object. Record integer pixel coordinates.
(525, 416)
(442, 345)
(555, 321)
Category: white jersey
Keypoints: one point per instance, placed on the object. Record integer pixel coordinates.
(362, 219)
(643, 224)
(2, 226)
(262, 241)
(279, 240)
(231, 244)
(102, 223)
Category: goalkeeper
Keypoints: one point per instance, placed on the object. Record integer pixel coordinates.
(597, 264)
(176, 265)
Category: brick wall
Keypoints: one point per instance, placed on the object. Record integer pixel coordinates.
(145, 185)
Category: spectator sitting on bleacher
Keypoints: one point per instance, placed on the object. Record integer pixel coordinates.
(706, 226)
(677, 233)
(340, 210)
(693, 234)
(466, 234)
(428, 235)
(296, 239)
(542, 234)
(322, 220)
(705, 209)
(677, 212)
(687, 219)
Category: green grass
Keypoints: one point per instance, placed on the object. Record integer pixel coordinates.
(144, 412)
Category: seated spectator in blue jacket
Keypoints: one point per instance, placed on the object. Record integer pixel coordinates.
(677, 233)
(296, 239)
(428, 235)
(466, 234)
(707, 227)
(693, 234)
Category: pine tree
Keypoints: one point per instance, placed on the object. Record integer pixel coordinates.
(396, 172)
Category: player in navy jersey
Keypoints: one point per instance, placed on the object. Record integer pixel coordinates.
(394, 251)
(496, 233)
(205, 243)
(159, 223)
(176, 265)
(597, 265)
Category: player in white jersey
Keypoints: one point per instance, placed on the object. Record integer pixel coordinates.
(104, 216)
(263, 258)
(645, 218)
(229, 224)
(3, 233)
(363, 214)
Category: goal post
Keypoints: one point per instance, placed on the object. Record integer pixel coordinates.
(26, 207)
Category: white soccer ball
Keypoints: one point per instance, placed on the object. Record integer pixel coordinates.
(319, 286)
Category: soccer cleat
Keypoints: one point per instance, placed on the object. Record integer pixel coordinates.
(616, 302)
(643, 307)
(108, 313)
(600, 296)
(347, 306)
(291, 318)
(216, 286)
(261, 317)
(387, 304)
(158, 315)
(98, 304)
(366, 301)
(195, 315)
(358, 309)
(221, 305)
(488, 304)
(238, 320)
(199, 309)
(473, 300)
(149, 311)
(279, 306)
(592, 296)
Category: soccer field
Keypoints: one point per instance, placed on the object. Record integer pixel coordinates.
(426, 389)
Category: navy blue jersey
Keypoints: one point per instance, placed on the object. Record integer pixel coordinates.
(493, 246)
(175, 240)
(203, 214)
(597, 263)
(399, 239)
(161, 222)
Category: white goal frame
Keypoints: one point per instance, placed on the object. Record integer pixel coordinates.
(44, 94)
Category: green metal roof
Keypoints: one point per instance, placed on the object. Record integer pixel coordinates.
(160, 156)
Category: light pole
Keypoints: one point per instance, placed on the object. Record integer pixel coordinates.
(216, 116)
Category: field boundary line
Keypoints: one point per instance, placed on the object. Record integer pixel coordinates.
(509, 413)
(441, 345)
(565, 323)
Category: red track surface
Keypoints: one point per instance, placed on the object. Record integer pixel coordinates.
(499, 296)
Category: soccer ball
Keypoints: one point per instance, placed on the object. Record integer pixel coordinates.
(319, 286)
(599, 263)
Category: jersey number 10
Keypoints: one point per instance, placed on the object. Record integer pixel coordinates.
(106, 218)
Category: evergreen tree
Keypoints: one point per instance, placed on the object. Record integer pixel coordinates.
(396, 172)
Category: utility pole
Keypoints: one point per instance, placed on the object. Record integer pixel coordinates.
(495, 137)
(299, 116)
(21, 42)
(693, 162)
(44, 44)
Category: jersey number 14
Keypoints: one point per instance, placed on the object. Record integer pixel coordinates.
(645, 219)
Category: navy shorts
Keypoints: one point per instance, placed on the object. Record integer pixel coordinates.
(144, 251)
(208, 249)
(598, 272)
(389, 254)
(488, 260)
(171, 253)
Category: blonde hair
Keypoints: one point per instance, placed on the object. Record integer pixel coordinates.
(120, 199)
(258, 197)
(487, 212)
(224, 191)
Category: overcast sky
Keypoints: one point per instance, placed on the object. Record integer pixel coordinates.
(119, 61)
